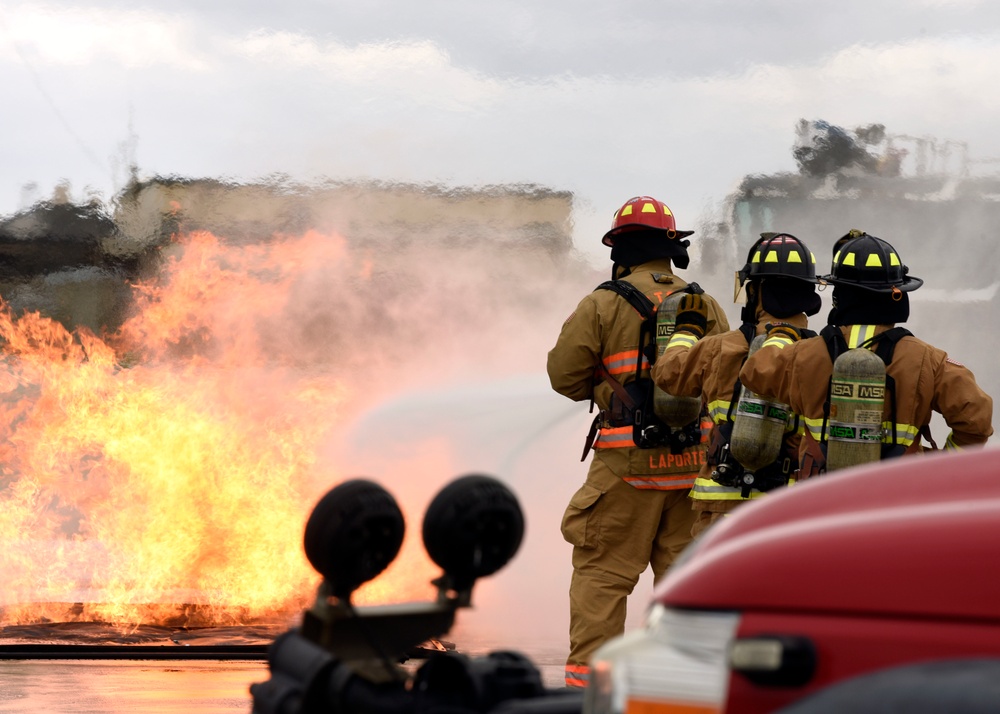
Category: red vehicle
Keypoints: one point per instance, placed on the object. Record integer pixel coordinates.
(872, 589)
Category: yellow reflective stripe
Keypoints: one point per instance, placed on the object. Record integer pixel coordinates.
(906, 434)
(718, 410)
(949, 443)
(860, 333)
(779, 341)
(815, 427)
(682, 339)
(706, 489)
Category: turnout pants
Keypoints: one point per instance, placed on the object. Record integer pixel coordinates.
(616, 531)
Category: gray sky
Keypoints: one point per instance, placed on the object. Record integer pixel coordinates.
(608, 100)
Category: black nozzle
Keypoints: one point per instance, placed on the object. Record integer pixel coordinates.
(353, 534)
(472, 528)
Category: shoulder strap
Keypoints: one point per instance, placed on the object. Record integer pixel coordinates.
(646, 309)
(644, 306)
(635, 297)
(885, 342)
(836, 345)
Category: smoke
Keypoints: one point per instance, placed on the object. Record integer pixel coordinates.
(929, 198)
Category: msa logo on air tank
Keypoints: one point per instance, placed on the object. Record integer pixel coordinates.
(855, 432)
(871, 391)
(857, 391)
(664, 330)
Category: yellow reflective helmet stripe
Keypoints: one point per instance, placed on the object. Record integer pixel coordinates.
(648, 208)
(873, 261)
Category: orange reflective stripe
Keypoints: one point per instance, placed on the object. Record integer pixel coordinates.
(623, 362)
(577, 675)
(618, 437)
(660, 483)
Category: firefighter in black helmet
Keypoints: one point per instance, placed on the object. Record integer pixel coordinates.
(870, 297)
(779, 279)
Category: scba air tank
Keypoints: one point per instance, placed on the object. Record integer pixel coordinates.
(673, 411)
(758, 428)
(857, 397)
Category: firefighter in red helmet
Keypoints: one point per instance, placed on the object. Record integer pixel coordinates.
(779, 280)
(632, 512)
(870, 297)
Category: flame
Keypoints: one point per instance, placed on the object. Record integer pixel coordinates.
(166, 471)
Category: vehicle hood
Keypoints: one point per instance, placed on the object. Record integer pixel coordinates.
(916, 536)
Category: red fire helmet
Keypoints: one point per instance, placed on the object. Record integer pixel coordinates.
(643, 212)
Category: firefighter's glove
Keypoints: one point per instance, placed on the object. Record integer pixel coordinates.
(783, 330)
(692, 315)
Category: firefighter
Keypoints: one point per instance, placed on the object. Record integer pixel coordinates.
(779, 279)
(632, 511)
(869, 300)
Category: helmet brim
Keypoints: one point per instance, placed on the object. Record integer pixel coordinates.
(909, 284)
(609, 237)
(744, 276)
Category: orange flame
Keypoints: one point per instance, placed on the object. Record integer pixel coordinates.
(167, 470)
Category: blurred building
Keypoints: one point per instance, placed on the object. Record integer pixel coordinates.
(75, 262)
